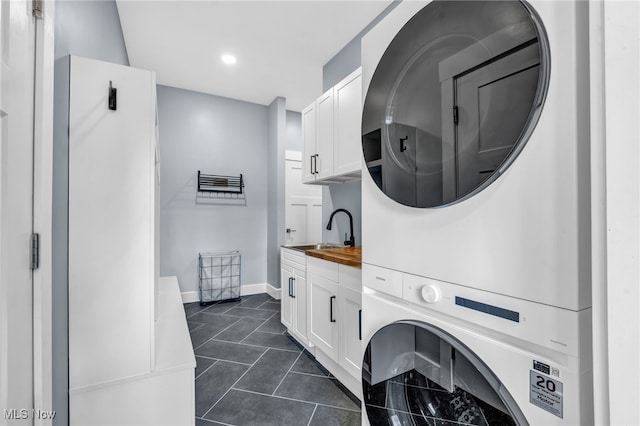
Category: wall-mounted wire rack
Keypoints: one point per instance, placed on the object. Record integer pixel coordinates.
(220, 184)
(219, 277)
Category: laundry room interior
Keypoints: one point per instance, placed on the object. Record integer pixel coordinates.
(372, 212)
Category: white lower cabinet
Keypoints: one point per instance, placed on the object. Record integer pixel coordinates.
(294, 303)
(321, 307)
(335, 307)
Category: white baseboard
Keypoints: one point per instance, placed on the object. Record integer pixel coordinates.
(245, 290)
(273, 292)
(190, 296)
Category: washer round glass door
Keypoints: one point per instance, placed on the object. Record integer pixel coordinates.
(453, 100)
(417, 374)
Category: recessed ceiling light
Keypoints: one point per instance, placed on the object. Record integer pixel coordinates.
(229, 59)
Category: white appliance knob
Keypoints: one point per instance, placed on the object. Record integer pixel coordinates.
(430, 293)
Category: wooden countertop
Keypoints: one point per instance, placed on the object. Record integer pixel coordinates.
(350, 256)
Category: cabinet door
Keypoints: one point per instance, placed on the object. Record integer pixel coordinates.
(350, 344)
(346, 124)
(300, 301)
(286, 306)
(323, 305)
(111, 223)
(324, 136)
(309, 143)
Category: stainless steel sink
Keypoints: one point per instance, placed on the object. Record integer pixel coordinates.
(318, 246)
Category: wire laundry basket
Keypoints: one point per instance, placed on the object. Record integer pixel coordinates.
(219, 277)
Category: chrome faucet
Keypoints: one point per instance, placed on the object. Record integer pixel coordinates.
(348, 242)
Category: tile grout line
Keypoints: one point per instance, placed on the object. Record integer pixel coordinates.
(246, 344)
(225, 360)
(354, 410)
(213, 422)
(212, 337)
(287, 373)
(228, 341)
(206, 369)
(312, 414)
(236, 382)
(200, 324)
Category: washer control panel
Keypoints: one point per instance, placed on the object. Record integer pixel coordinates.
(431, 293)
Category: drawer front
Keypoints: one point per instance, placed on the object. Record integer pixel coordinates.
(293, 258)
(323, 268)
(384, 280)
(350, 277)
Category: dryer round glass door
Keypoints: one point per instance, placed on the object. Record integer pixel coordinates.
(417, 374)
(454, 99)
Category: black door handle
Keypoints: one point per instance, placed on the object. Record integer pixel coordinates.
(315, 165)
(293, 287)
(403, 147)
(290, 285)
(331, 309)
(360, 324)
(311, 157)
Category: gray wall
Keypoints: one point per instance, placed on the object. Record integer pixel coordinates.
(348, 59)
(90, 29)
(347, 195)
(216, 136)
(275, 215)
(293, 139)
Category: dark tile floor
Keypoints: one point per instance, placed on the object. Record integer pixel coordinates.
(250, 372)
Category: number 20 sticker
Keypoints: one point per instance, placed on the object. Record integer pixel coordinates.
(546, 393)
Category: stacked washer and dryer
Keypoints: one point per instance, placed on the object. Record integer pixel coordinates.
(476, 215)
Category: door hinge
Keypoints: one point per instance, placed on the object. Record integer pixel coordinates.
(35, 251)
(455, 115)
(37, 8)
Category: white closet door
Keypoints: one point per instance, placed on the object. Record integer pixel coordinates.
(111, 223)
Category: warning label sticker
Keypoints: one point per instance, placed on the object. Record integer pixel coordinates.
(546, 393)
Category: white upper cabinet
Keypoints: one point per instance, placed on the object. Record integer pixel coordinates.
(324, 136)
(309, 138)
(347, 113)
(331, 133)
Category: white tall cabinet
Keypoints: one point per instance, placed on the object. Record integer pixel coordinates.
(116, 315)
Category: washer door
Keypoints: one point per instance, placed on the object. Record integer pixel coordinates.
(417, 374)
(453, 100)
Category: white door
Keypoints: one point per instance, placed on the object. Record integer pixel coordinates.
(17, 65)
(300, 299)
(303, 211)
(323, 330)
(347, 113)
(350, 334)
(323, 163)
(286, 305)
(309, 141)
(111, 229)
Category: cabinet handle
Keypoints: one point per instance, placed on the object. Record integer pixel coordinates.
(311, 157)
(360, 324)
(331, 309)
(402, 145)
(290, 285)
(293, 287)
(315, 165)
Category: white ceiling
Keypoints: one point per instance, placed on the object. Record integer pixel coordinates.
(281, 46)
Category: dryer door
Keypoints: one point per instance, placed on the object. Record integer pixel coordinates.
(417, 374)
(453, 100)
